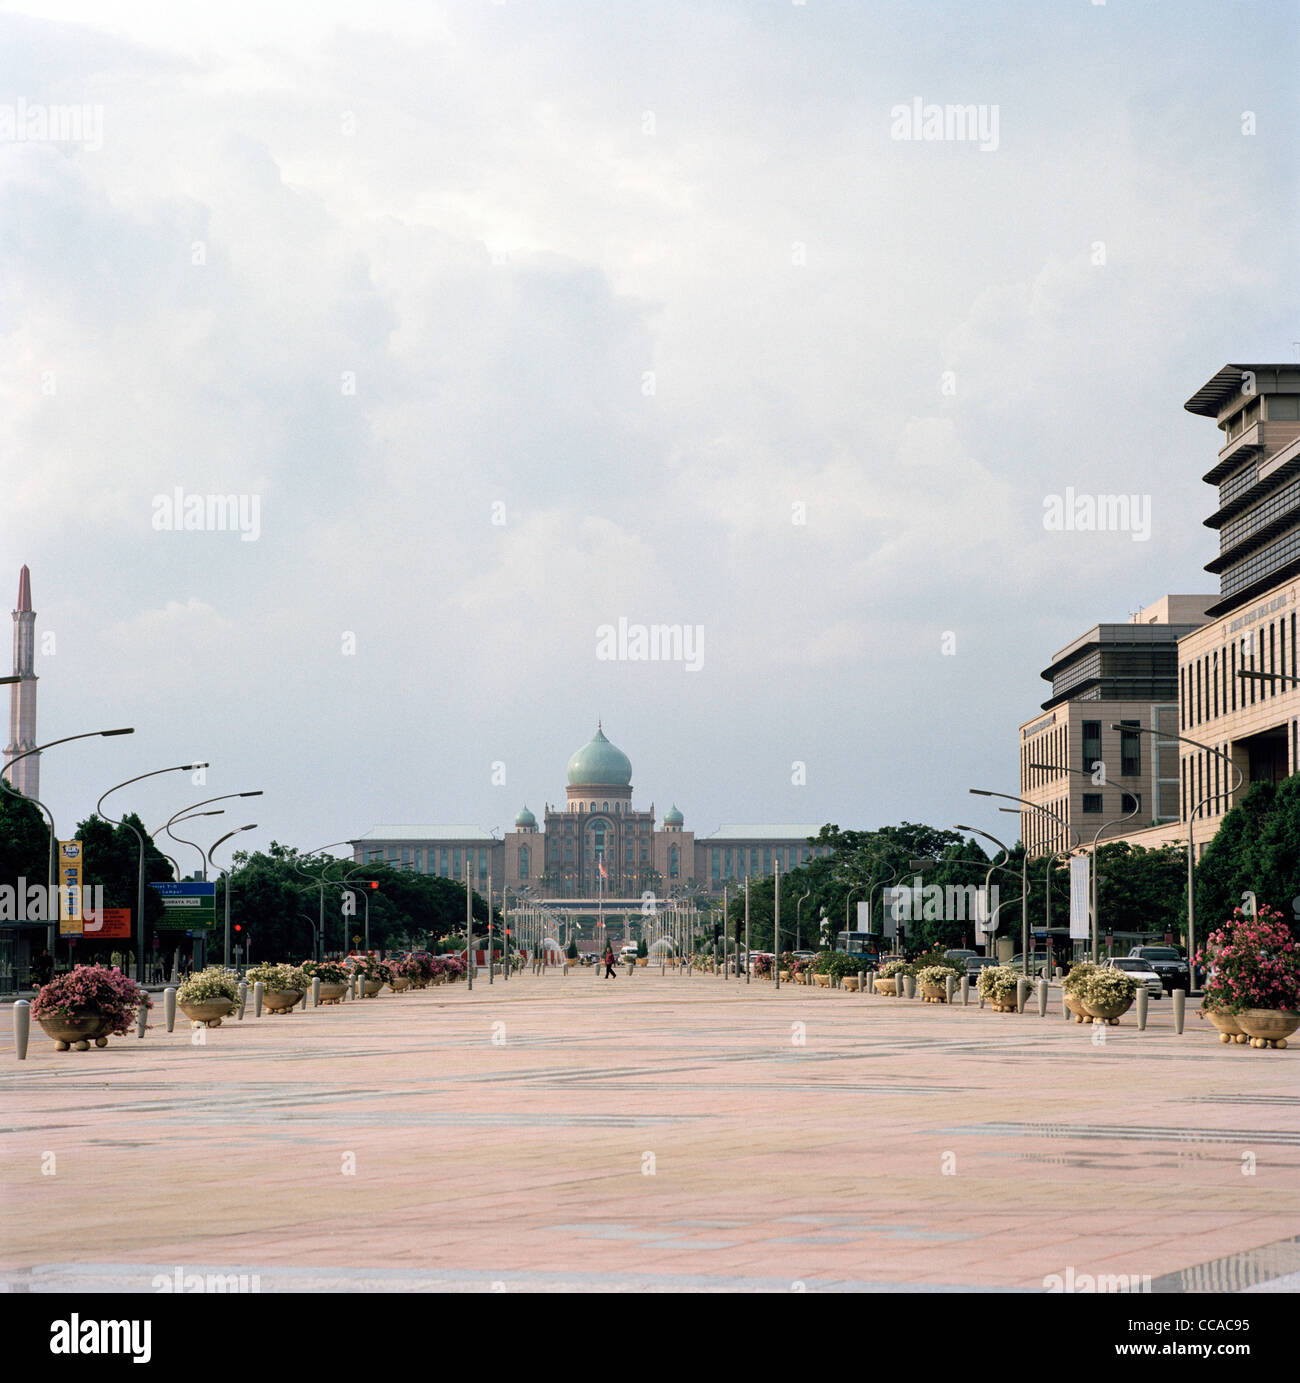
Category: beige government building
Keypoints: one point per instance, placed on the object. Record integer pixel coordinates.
(596, 845)
(1192, 674)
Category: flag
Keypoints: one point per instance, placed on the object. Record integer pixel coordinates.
(603, 875)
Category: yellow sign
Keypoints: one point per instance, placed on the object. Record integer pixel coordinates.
(69, 888)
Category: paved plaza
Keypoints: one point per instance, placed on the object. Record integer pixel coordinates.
(564, 1132)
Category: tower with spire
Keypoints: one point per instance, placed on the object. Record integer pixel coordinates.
(25, 776)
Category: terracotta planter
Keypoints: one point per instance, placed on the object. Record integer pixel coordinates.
(934, 994)
(887, 986)
(281, 1000)
(785, 977)
(77, 1030)
(1106, 1013)
(643, 960)
(823, 981)
(400, 983)
(1268, 1027)
(208, 1012)
(371, 987)
(1074, 1006)
(332, 993)
(850, 982)
(1002, 1003)
(1226, 1023)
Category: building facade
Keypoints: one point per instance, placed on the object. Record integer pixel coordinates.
(1074, 764)
(1236, 693)
(597, 844)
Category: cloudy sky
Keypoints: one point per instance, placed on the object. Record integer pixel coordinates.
(512, 320)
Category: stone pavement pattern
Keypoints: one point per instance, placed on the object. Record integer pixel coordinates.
(651, 1132)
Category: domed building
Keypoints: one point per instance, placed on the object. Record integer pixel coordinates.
(596, 845)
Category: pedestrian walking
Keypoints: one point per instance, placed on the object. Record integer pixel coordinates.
(610, 972)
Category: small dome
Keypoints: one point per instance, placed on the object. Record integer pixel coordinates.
(672, 817)
(599, 763)
(525, 818)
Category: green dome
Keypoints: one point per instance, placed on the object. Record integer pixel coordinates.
(598, 763)
(673, 817)
(525, 818)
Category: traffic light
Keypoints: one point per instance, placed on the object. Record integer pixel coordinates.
(239, 926)
(374, 883)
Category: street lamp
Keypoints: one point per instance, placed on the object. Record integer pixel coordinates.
(225, 953)
(1105, 826)
(1191, 821)
(1024, 887)
(53, 892)
(1052, 856)
(184, 813)
(139, 892)
(1024, 906)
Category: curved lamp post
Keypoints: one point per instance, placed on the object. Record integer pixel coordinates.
(1191, 821)
(53, 922)
(139, 891)
(185, 812)
(225, 873)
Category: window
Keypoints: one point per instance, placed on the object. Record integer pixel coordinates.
(1130, 751)
(1091, 743)
(1091, 802)
(717, 863)
(1127, 802)
(523, 861)
(673, 869)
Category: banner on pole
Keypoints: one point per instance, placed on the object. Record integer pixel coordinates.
(69, 888)
(1080, 878)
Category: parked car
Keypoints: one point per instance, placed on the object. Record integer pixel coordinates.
(1168, 962)
(974, 964)
(1037, 963)
(959, 958)
(1140, 970)
(628, 952)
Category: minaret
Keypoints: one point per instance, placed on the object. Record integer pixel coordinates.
(26, 776)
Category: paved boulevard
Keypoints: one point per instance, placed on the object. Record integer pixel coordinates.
(674, 1132)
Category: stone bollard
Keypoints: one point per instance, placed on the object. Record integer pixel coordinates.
(141, 1020)
(315, 991)
(965, 990)
(243, 998)
(862, 981)
(1180, 1006)
(356, 985)
(871, 981)
(257, 999)
(909, 986)
(1042, 998)
(1142, 1000)
(303, 1004)
(947, 989)
(22, 1027)
(169, 1008)
(981, 995)
(1022, 993)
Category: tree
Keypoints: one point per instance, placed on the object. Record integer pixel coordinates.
(1257, 850)
(24, 842)
(111, 861)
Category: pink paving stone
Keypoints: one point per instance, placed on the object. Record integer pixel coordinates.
(843, 1151)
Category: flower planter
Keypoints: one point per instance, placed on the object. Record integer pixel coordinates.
(643, 960)
(934, 994)
(1268, 1027)
(1002, 1003)
(785, 977)
(281, 1000)
(1106, 1013)
(1074, 1006)
(77, 1030)
(823, 981)
(887, 986)
(850, 982)
(331, 993)
(400, 983)
(207, 1013)
(371, 987)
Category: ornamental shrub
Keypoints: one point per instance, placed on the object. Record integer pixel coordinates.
(107, 992)
(209, 984)
(998, 982)
(1252, 962)
(278, 977)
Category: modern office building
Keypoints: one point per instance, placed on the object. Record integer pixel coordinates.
(596, 844)
(1074, 765)
(1252, 720)
(25, 776)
